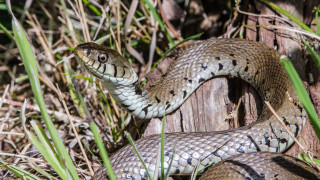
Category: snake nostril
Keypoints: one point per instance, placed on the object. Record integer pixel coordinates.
(86, 52)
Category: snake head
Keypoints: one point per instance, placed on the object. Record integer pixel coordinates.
(106, 64)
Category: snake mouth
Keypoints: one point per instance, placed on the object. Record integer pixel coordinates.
(94, 71)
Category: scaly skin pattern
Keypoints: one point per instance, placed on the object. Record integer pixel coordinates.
(251, 61)
(260, 166)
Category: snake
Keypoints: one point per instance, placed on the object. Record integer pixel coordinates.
(250, 152)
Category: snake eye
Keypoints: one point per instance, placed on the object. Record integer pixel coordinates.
(103, 57)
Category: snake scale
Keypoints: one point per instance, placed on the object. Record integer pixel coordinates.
(250, 152)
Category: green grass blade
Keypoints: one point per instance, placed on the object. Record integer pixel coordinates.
(306, 158)
(171, 161)
(22, 174)
(72, 90)
(45, 149)
(92, 7)
(90, 79)
(197, 171)
(102, 39)
(160, 21)
(32, 71)
(89, 150)
(302, 94)
(138, 154)
(290, 16)
(6, 31)
(312, 52)
(102, 150)
(44, 173)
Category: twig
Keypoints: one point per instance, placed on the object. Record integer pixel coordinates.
(287, 129)
(290, 133)
(127, 23)
(4, 95)
(118, 25)
(103, 18)
(167, 22)
(59, 115)
(261, 15)
(75, 131)
(86, 32)
(22, 156)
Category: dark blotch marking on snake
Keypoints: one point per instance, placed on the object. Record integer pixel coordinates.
(168, 154)
(201, 80)
(124, 72)
(234, 62)
(266, 138)
(189, 160)
(125, 170)
(93, 63)
(218, 58)
(99, 66)
(115, 70)
(172, 92)
(212, 74)
(184, 94)
(283, 140)
(297, 129)
(137, 88)
(157, 99)
(189, 80)
(104, 68)
(297, 105)
(216, 153)
(232, 55)
(220, 66)
(125, 106)
(285, 121)
(163, 75)
(203, 67)
(240, 149)
(130, 110)
(167, 105)
(257, 72)
(300, 108)
(246, 69)
(145, 109)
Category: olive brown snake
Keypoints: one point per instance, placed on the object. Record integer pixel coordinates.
(254, 149)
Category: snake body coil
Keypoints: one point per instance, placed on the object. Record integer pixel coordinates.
(251, 61)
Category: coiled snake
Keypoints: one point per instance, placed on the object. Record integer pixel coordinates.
(260, 142)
